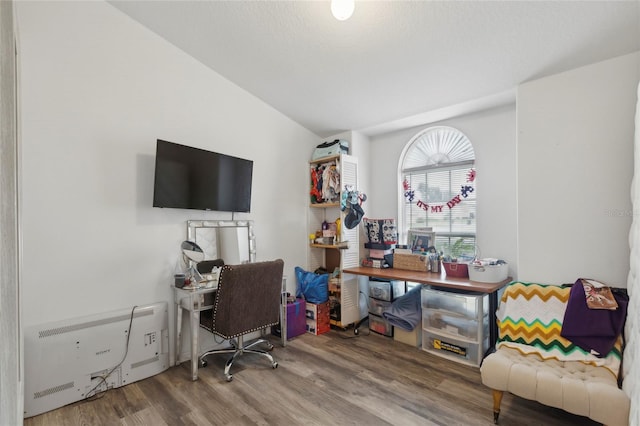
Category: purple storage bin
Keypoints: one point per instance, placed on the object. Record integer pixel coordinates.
(296, 318)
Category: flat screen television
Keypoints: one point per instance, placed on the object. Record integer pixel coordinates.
(193, 178)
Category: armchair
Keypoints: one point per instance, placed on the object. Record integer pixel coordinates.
(247, 300)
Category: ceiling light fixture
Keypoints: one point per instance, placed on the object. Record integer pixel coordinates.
(342, 9)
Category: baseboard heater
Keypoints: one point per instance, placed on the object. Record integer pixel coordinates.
(70, 360)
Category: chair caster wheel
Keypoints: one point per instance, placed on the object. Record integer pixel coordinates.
(229, 378)
(356, 331)
(274, 365)
(203, 363)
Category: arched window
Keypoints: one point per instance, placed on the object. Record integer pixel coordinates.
(438, 182)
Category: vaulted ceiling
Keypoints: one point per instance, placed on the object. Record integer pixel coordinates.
(393, 62)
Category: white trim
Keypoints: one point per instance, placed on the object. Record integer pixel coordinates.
(488, 102)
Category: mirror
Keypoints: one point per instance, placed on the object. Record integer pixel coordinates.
(232, 241)
(195, 254)
(192, 251)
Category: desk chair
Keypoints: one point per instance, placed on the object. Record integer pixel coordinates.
(247, 300)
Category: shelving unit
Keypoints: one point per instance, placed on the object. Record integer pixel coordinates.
(324, 205)
(455, 325)
(329, 246)
(343, 294)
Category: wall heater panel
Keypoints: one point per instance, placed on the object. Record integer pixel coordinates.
(67, 361)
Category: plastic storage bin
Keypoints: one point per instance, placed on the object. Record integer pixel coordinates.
(377, 307)
(469, 305)
(296, 314)
(459, 350)
(454, 325)
(488, 273)
(380, 325)
(386, 290)
(456, 269)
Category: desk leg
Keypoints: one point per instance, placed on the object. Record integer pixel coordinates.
(178, 331)
(283, 312)
(493, 323)
(195, 325)
(283, 317)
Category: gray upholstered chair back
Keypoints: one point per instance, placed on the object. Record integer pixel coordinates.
(248, 298)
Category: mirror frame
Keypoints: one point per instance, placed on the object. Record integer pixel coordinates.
(194, 225)
(189, 247)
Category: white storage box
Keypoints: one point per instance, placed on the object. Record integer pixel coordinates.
(488, 273)
(413, 337)
(330, 149)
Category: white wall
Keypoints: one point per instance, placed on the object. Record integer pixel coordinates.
(11, 338)
(631, 366)
(97, 90)
(493, 136)
(575, 163)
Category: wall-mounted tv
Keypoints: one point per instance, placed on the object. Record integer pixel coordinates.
(193, 178)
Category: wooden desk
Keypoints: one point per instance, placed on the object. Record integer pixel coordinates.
(441, 280)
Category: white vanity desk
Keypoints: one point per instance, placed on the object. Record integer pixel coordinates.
(193, 301)
(234, 242)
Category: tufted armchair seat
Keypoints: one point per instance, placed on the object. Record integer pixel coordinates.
(578, 388)
(534, 360)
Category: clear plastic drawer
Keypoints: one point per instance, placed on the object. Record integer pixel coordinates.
(380, 325)
(469, 305)
(455, 325)
(377, 307)
(458, 350)
(386, 290)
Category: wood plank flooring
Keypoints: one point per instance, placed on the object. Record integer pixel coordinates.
(333, 379)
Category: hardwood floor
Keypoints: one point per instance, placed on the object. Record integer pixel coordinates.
(333, 379)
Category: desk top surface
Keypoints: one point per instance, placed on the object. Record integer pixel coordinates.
(195, 290)
(431, 278)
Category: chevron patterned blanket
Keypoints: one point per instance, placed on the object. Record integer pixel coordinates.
(530, 320)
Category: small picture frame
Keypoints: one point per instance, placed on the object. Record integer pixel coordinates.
(420, 240)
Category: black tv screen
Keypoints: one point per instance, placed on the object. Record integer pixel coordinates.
(193, 178)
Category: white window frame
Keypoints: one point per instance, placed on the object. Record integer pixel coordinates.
(441, 162)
